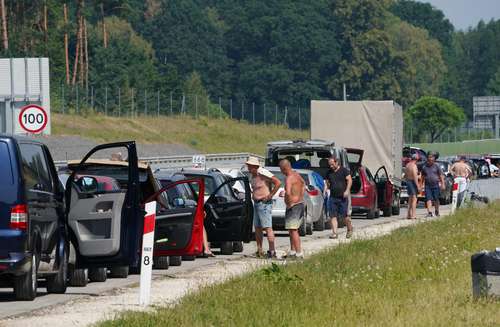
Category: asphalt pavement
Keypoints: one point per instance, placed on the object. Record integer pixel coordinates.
(44, 302)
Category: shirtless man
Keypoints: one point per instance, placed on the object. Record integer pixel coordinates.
(261, 180)
(412, 186)
(461, 173)
(294, 200)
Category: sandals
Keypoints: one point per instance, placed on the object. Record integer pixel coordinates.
(208, 255)
(334, 236)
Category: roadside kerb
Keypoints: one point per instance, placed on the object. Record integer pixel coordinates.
(169, 289)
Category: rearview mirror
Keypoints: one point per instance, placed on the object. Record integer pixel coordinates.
(87, 184)
(310, 188)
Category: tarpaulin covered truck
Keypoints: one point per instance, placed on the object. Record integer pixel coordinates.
(376, 127)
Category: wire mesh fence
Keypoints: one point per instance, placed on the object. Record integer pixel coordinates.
(120, 102)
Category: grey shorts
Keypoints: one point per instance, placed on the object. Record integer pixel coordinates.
(294, 216)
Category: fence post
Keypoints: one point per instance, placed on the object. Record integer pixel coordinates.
(145, 102)
(171, 105)
(264, 114)
(276, 115)
(220, 108)
(231, 107)
(208, 107)
(253, 112)
(286, 113)
(196, 106)
(242, 109)
(119, 102)
(77, 101)
(92, 104)
(62, 97)
(106, 101)
(132, 113)
(300, 119)
(158, 98)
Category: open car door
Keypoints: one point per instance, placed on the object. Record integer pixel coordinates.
(105, 225)
(385, 189)
(228, 217)
(179, 223)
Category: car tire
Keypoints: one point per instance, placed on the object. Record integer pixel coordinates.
(119, 272)
(175, 260)
(387, 212)
(309, 229)
(238, 247)
(226, 248)
(98, 275)
(320, 224)
(58, 282)
(161, 263)
(25, 286)
(188, 258)
(396, 208)
(78, 277)
(303, 228)
(371, 214)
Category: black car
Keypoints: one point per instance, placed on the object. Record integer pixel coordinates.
(229, 219)
(446, 195)
(33, 239)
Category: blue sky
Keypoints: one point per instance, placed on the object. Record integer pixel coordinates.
(467, 13)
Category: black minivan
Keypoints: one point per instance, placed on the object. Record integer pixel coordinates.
(33, 242)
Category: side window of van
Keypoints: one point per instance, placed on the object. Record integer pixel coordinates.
(35, 169)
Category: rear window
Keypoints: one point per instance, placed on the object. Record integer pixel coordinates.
(6, 177)
(35, 169)
(302, 158)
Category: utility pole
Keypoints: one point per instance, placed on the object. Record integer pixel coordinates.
(66, 51)
(345, 92)
(253, 112)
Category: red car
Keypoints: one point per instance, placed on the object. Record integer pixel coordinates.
(370, 194)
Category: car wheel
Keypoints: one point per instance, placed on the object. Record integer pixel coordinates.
(320, 224)
(58, 283)
(237, 246)
(160, 263)
(175, 260)
(396, 207)
(387, 212)
(25, 286)
(188, 258)
(78, 277)
(226, 248)
(371, 214)
(98, 274)
(309, 229)
(303, 227)
(119, 272)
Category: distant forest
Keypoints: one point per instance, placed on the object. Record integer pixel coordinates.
(265, 51)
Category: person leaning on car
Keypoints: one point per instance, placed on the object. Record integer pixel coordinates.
(262, 195)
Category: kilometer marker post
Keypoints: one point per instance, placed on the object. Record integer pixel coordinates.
(454, 197)
(147, 253)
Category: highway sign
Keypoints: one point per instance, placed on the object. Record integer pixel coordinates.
(33, 119)
(199, 161)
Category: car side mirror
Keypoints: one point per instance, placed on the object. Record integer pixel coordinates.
(87, 184)
(179, 202)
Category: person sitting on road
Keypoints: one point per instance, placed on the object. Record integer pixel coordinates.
(461, 173)
(434, 184)
(262, 195)
(339, 182)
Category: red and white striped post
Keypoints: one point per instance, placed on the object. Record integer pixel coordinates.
(147, 253)
(454, 197)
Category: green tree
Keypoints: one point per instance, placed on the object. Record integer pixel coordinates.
(432, 116)
(494, 84)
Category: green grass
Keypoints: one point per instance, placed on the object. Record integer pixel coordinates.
(416, 276)
(205, 135)
(465, 147)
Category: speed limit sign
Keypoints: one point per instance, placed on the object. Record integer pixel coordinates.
(33, 118)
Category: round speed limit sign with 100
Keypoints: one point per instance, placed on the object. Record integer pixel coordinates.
(33, 118)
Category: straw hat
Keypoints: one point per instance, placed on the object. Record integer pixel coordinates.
(253, 161)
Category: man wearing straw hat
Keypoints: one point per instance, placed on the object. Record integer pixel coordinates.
(264, 186)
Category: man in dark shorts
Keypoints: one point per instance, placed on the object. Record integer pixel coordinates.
(411, 177)
(339, 182)
(434, 183)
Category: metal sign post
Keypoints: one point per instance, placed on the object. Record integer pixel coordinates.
(147, 253)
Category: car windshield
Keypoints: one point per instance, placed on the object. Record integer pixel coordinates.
(182, 191)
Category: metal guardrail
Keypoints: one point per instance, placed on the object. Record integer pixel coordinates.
(184, 161)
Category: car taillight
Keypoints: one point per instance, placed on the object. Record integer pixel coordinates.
(19, 217)
(313, 192)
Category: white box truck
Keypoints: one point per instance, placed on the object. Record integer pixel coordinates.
(376, 127)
